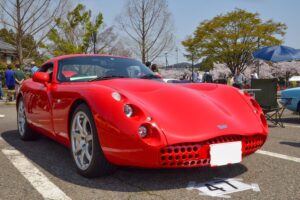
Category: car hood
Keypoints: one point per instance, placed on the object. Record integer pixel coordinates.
(290, 90)
(190, 113)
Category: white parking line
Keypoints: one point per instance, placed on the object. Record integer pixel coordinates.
(37, 179)
(292, 126)
(277, 155)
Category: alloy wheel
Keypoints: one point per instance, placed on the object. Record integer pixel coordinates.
(82, 140)
(21, 118)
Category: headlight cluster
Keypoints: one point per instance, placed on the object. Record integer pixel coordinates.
(128, 110)
(143, 131)
(116, 96)
(132, 111)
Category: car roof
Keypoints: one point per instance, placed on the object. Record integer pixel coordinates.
(295, 78)
(82, 55)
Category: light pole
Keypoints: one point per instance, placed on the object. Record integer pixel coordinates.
(176, 55)
(94, 40)
(166, 54)
(193, 67)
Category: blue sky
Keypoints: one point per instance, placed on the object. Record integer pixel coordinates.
(187, 15)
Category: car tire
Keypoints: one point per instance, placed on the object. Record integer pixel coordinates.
(298, 108)
(86, 151)
(25, 132)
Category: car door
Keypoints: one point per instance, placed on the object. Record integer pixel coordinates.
(40, 102)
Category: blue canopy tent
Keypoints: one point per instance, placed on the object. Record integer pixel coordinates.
(277, 54)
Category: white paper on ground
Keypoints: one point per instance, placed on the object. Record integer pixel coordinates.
(219, 187)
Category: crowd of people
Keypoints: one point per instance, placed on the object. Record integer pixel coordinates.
(153, 67)
(239, 80)
(12, 79)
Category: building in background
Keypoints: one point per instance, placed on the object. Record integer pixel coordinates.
(8, 52)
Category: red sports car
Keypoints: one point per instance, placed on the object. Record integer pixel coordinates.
(114, 111)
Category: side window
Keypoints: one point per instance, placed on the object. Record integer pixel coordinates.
(48, 68)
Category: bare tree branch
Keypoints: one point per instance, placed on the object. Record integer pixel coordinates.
(33, 18)
(149, 26)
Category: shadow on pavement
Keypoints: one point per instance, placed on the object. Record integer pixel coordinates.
(295, 120)
(56, 160)
(293, 144)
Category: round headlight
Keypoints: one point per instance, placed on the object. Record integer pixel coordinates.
(128, 110)
(143, 131)
(116, 96)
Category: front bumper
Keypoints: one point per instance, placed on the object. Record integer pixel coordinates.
(197, 154)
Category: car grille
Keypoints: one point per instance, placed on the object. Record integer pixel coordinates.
(196, 154)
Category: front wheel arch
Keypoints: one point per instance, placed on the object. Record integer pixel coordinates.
(99, 165)
(74, 105)
(18, 99)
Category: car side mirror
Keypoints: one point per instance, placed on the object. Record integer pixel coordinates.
(41, 77)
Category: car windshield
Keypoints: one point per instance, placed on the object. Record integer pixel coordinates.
(92, 68)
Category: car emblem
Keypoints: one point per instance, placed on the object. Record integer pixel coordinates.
(222, 126)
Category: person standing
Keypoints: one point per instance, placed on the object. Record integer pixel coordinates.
(1, 93)
(230, 80)
(207, 77)
(148, 64)
(254, 75)
(238, 80)
(19, 77)
(154, 68)
(34, 68)
(10, 82)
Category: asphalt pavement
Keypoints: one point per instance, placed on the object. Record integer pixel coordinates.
(27, 168)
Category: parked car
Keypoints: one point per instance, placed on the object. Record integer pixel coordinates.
(167, 80)
(109, 111)
(291, 99)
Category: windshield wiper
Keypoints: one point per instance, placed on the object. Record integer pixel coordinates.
(107, 77)
(150, 76)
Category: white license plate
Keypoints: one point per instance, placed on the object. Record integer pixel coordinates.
(225, 153)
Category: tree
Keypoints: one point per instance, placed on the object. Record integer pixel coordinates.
(29, 45)
(74, 34)
(231, 38)
(149, 26)
(30, 19)
(207, 64)
(108, 42)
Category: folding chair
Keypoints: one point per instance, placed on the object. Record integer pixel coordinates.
(267, 99)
